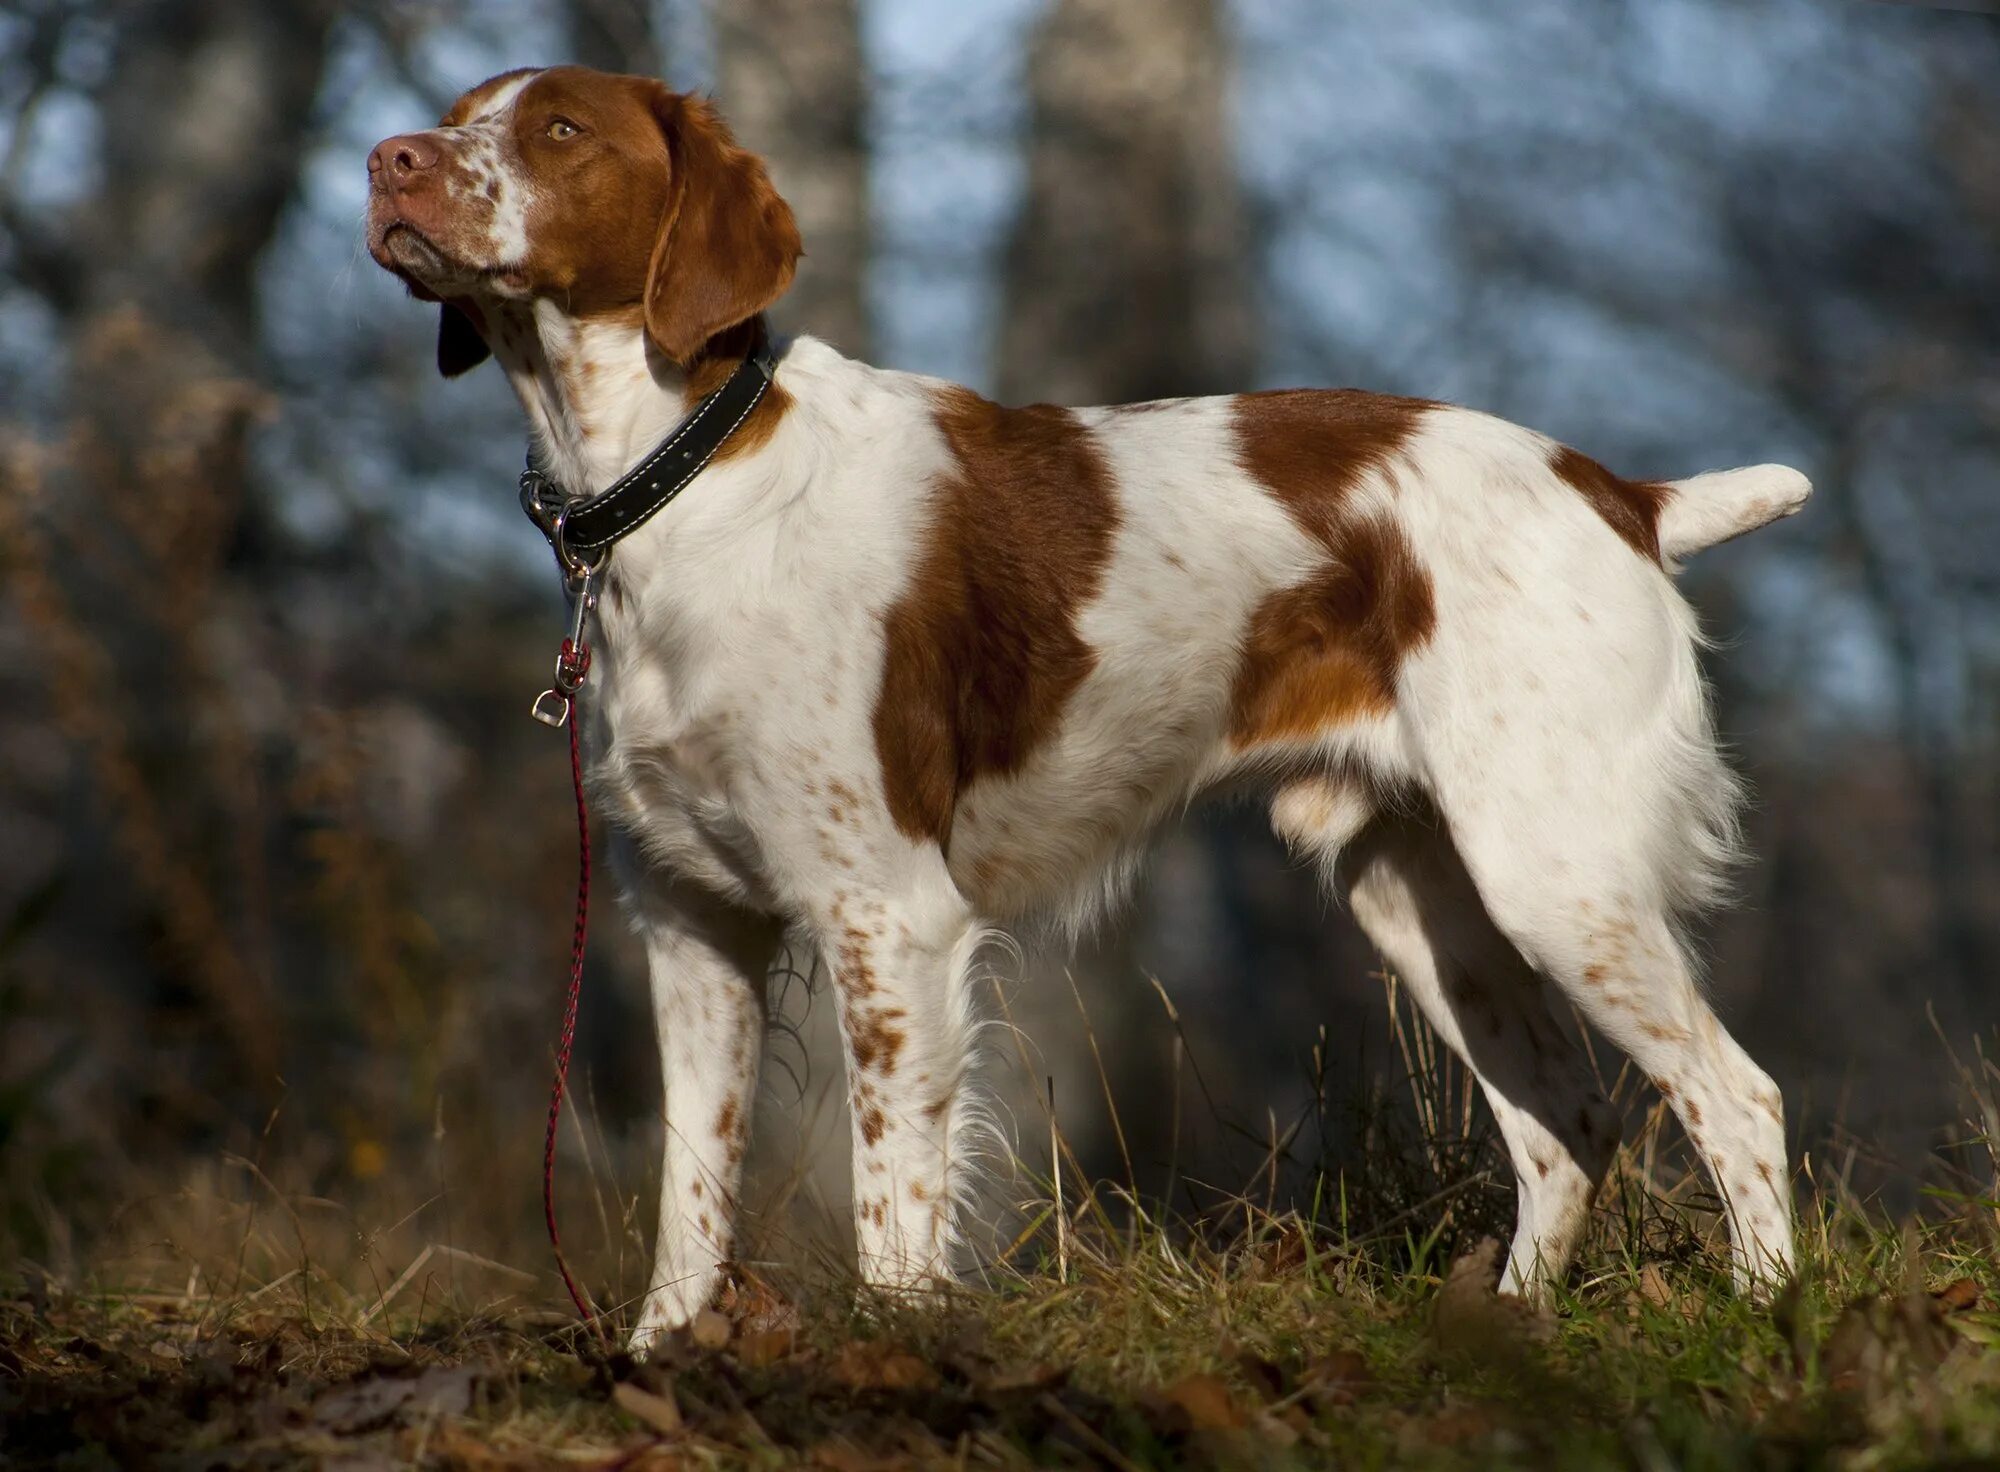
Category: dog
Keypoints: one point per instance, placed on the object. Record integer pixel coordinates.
(902, 667)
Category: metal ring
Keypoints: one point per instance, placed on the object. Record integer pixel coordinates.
(573, 566)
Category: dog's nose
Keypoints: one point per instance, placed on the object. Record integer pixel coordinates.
(399, 159)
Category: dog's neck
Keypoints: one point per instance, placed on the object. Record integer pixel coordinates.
(597, 394)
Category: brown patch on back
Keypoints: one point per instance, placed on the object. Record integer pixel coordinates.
(1310, 447)
(1630, 508)
(982, 653)
(1326, 651)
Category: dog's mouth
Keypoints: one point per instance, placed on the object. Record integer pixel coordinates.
(430, 270)
(404, 249)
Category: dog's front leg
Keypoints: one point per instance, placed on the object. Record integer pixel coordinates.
(899, 971)
(708, 962)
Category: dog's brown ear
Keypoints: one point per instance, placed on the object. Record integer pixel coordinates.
(728, 244)
(460, 347)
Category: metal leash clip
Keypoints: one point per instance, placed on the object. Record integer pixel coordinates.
(552, 706)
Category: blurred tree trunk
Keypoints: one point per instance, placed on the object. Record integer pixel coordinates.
(615, 36)
(1126, 278)
(790, 78)
(205, 117)
(1127, 273)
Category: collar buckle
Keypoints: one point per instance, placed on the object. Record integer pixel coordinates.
(542, 499)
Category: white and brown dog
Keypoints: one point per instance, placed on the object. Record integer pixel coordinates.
(904, 665)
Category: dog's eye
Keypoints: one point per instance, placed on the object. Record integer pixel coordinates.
(562, 128)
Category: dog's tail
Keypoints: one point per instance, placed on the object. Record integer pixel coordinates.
(1706, 509)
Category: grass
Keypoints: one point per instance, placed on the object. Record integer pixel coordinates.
(1361, 1331)
(1280, 1348)
(1278, 1343)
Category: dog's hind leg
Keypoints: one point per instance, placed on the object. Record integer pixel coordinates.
(707, 961)
(1413, 898)
(1589, 830)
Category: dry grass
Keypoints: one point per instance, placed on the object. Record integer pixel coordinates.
(260, 1328)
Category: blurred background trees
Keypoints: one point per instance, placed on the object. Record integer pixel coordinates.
(287, 867)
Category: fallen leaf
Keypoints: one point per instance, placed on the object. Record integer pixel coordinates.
(1957, 1296)
(1200, 1402)
(760, 1347)
(1451, 1427)
(864, 1364)
(381, 1400)
(709, 1330)
(457, 1448)
(1653, 1286)
(753, 1304)
(1471, 1323)
(1030, 1377)
(1884, 1347)
(657, 1411)
(1285, 1253)
(1336, 1379)
(1264, 1376)
(844, 1456)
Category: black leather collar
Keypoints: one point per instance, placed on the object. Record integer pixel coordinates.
(583, 530)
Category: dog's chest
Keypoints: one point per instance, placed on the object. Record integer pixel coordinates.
(713, 722)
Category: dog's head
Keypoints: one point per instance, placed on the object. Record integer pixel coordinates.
(609, 195)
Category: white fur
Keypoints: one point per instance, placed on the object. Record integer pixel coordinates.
(1537, 815)
(1556, 721)
(1706, 509)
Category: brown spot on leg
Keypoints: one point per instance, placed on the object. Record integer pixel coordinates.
(876, 1044)
(873, 1124)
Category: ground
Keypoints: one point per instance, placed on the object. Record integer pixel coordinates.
(1123, 1347)
(1360, 1330)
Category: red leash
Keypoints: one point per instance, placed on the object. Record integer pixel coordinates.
(558, 707)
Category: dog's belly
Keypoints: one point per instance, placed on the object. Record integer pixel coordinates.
(1061, 836)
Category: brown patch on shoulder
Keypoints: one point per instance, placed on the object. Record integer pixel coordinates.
(1326, 651)
(1630, 508)
(982, 653)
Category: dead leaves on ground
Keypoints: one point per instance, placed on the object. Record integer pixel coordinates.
(1477, 1375)
(1475, 1327)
